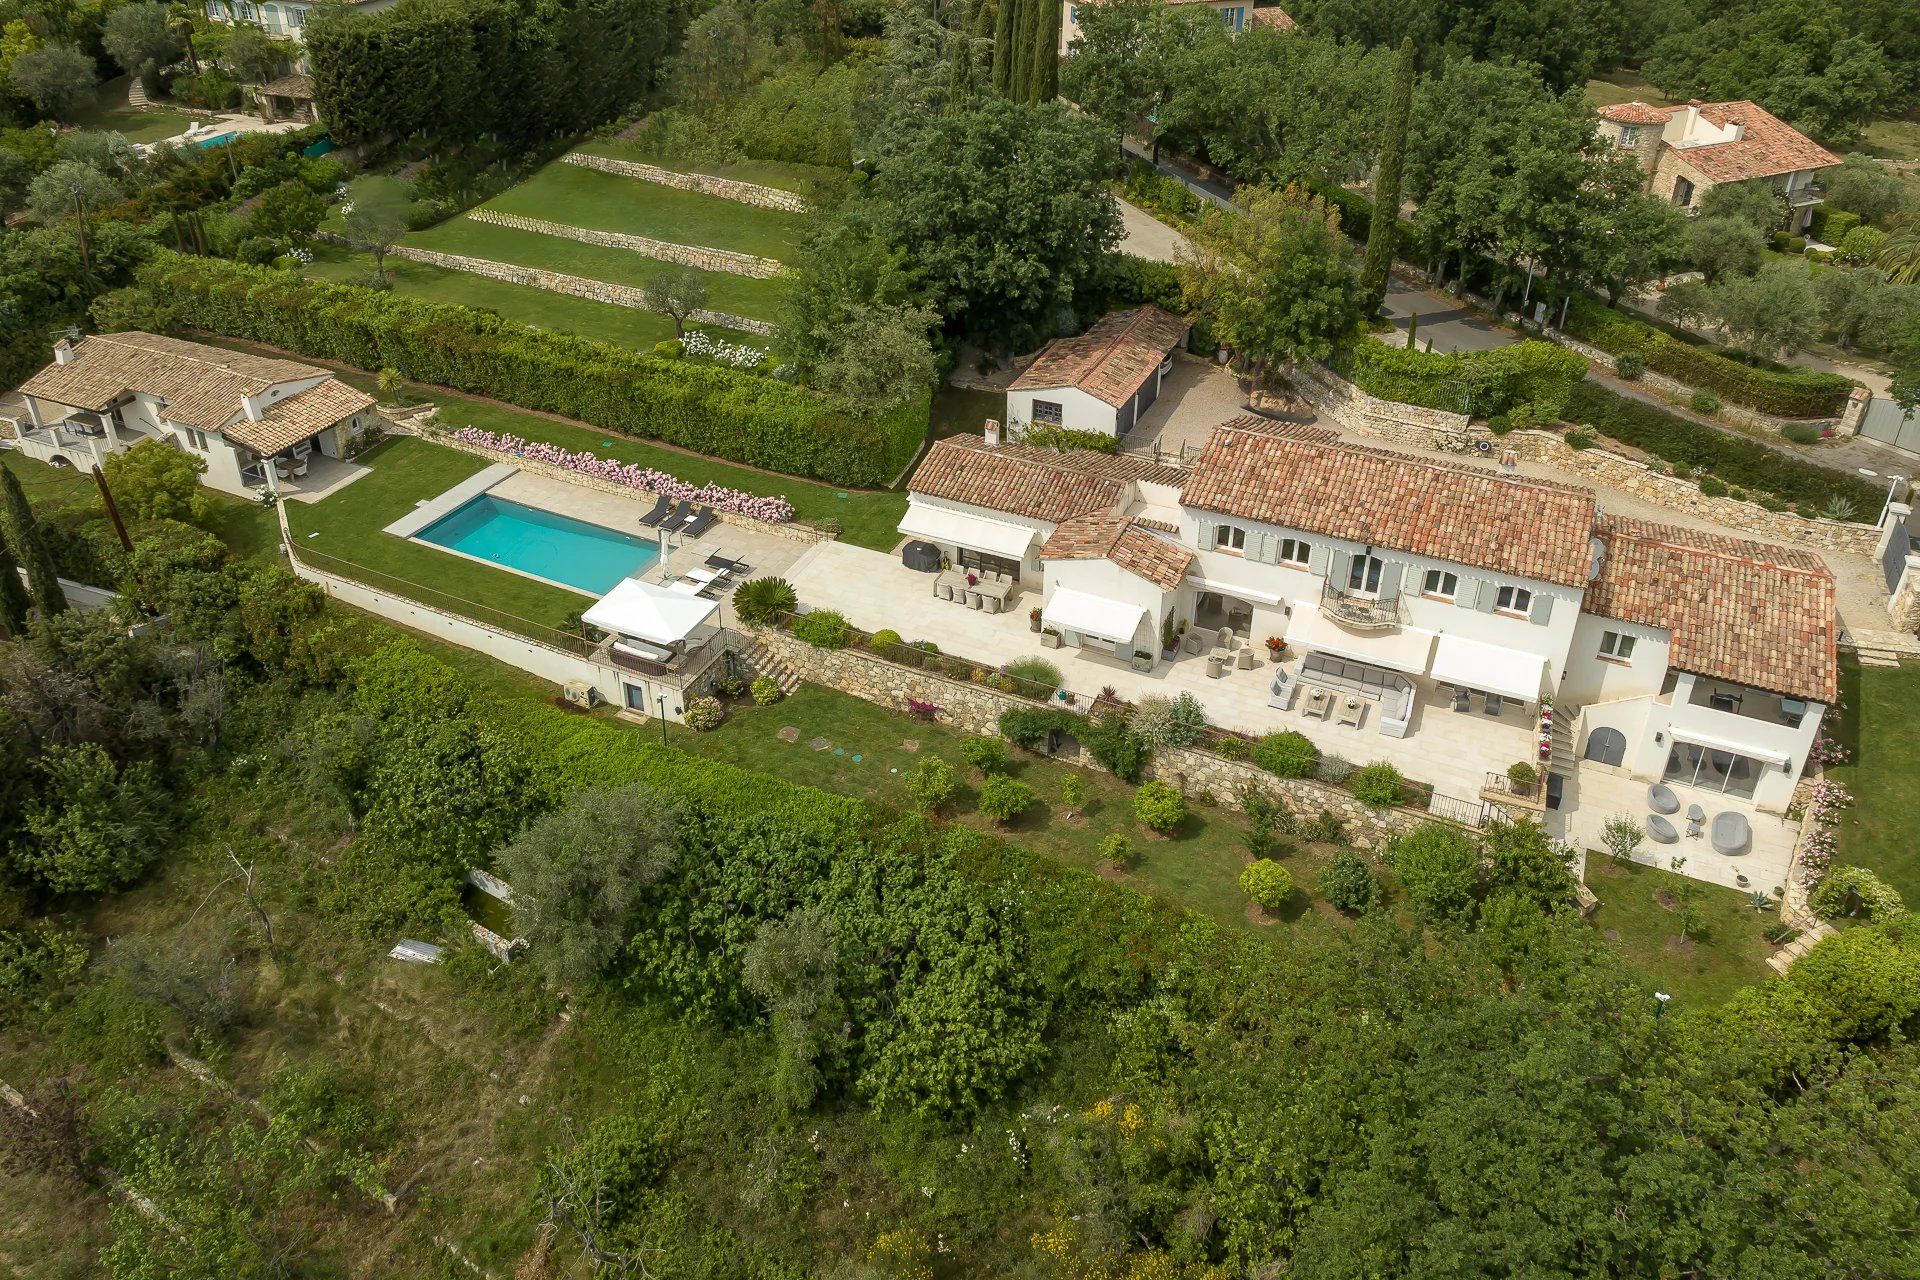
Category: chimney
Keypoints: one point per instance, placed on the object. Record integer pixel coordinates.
(993, 431)
(1693, 118)
(1739, 128)
(63, 351)
(252, 406)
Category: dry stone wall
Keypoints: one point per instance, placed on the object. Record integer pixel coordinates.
(1359, 411)
(619, 295)
(687, 255)
(975, 709)
(704, 183)
(1680, 391)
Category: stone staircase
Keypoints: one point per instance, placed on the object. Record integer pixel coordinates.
(766, 662)
(1881, 648)
(137, 95)
(1562, 760)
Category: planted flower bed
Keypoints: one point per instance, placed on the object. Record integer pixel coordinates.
(734, 501)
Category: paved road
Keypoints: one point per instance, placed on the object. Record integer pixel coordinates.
(1448, 324)
(1148, 237)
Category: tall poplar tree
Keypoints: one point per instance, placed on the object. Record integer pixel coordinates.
(27, 541)
(1382, 231)
(13, 592)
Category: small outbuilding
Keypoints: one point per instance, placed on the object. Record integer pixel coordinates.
(1102, 380)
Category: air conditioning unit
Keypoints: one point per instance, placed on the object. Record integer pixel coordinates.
(580, 693)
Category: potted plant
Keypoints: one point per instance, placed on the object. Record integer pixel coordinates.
(1276, 647)
(1033, 619)
(973, 579)
(1167, 640)
(1049, 638)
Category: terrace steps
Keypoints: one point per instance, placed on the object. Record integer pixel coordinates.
(766, 662)
(137, 95)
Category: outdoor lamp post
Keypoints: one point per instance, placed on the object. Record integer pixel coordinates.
(661, 698)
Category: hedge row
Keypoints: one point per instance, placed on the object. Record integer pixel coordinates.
(1789, 393)
(1729, 458)
(1530, 373)
(714, 410)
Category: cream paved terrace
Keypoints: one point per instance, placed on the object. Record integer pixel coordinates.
(1452, 751)
(1596, 794)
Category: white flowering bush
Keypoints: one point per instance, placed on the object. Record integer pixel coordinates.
(632, 475)
(303, 256)
(705, 346)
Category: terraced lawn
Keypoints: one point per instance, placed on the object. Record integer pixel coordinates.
(741, 295)
(768, 173)
(109, 112)
(580, 197)
(603, 321)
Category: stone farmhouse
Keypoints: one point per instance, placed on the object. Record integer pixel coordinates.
(1687, 151)
(1236, 15)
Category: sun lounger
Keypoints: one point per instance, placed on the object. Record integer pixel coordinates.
(673, 522)
(718, 561)
(653, 518)
(703, 520)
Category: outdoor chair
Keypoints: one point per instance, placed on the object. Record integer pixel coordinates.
(990, 601)
(1660, 799)
(1730, 833)
(1494, 704)
(678, 518)
(1462, 700)
(300, 468)
(1696, 821)
(703, 520)
(653, 517)
(1216, 666)
(973, 599)
(1243, 658)
(718, 561)
(1661, 830)
(944, 590)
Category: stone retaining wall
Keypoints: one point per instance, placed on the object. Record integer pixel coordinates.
(619, 295)
(704, 183)
(975, 709)
(1421, 428)
(1736, 413)
(687, 255)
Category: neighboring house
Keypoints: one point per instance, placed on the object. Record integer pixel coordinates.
(1687, 151)
(1236, 15)
(1102, 380)
(1702, 660)
(247, 417)
(285, 18)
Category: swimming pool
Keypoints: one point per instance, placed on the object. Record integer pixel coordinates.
(555, 547)
(216, 139)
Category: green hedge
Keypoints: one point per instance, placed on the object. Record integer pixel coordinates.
(1356, 219)
(1732, 459)
(707, 408)
(1532, 373)
(1784, 393)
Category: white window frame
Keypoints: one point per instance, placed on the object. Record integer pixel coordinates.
(1363, 575)
(1043, 407)
(1438, 584)
(193, 436)
(1514, 601)
(1230, 538)
(1295, 551)
(1617, 646)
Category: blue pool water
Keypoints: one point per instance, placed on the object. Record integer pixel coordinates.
(546, 545)
(215, 140)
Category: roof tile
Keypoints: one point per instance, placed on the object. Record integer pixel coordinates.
(1042, 484)
(1125, 542)
(1109, 361)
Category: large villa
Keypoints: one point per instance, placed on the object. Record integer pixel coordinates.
(1445, 616)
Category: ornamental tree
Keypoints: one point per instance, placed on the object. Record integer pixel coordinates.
(1276, 280)
(1158, 805)
(155, 481)
(1267, 884)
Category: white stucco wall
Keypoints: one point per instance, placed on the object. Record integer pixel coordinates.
(1108, 580)
(1078, 410)
(1590, 679)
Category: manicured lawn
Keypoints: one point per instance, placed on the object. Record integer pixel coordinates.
(110, 113)
(1623, 86)
(741, 295)
(407, 471)
(866, 519)
(1725, 953)
(1891, 139)
(601, 321)
(583, 197)
(768, 173)
(1882, 706)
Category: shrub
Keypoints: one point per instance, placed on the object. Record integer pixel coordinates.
(1838, 509)
(1800, 433)
(1324, 827)
(1287, 754)
(1378, 784)
(1028, 727)
(762, 601)
(1035, 677)
(1531, 372)
(1629, 366)
(1847, 891)
(1579, 438)
(931, 784)
(1003, 799)
(1169, 722)
(1159, 806)
(988, 755)
(1712, 487)
(1523, 776)
(716, 410)
(1267, 884)
(1269, 822)
(1111, 741)
(703, 714)
(1704, 401)
(1333, 769)
(884, 641)
(1041, 436)
(1118, 850)
(766, 691)
(1073, 792)
(1232, 747)
(1686, 444)
(1349, 884)
(823, 629)
(1436, 866)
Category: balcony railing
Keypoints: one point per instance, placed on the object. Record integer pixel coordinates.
(1358, 612)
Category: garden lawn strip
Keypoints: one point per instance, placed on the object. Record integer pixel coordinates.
(583, 197)
(1876, 728)
(1728, 950)
(766, 173)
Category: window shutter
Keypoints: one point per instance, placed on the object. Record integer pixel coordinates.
(1390, 574)
(1486, 594)
(1337, 564)
(1466, 592)
(1204, 526)
(1317, 557)
(1542, 608)
(1265, 547)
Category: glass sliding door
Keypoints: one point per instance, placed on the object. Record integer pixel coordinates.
(1711, 769)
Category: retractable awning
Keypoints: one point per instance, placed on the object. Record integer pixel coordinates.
(964, 529)
(1091, 615)
(1713, 742)
(1402, 650)
(640, 609)
(1491, 668)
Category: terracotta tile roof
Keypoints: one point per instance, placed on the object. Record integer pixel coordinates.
(1121, 540)
(1273, 16)
(1164, 526)
(1109, 361)
(1635, 112)
(1042, 484)
(201, 385)
(296, 86)
(289, 421)
(1754, 614)
(1451, 511)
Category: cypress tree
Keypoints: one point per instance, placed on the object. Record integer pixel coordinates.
(13, 592)
(24, 536)
(1043, 51)
(1005, 16)
(1382, 230)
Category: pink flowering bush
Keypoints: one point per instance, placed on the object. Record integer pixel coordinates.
(1827, 752)
(1826, 801)
(632, 475)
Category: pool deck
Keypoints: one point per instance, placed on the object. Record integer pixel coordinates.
(425, 513)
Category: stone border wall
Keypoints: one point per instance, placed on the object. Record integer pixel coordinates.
(1661, 382)
(620, 295)
(687, 255)
(976, 709)
(1432, 429)
(703, 183)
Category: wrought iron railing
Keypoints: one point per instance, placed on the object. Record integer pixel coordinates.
(1360, 612)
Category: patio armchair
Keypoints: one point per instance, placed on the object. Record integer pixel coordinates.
(1243, 658)
(1661, 830)
(1462, 700)
(1494, 704)
(973, 599)
(1730, 833)
(653, 518)
(300, 467)
(944, 590)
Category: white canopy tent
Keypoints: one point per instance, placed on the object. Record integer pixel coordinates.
(1091, 615)
(964, 529)
(1491, 668)
(1403, 650)
(646, 612)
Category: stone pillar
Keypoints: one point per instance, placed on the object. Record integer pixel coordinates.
(1904, 607)
(1894, 526)
(1851, 416)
